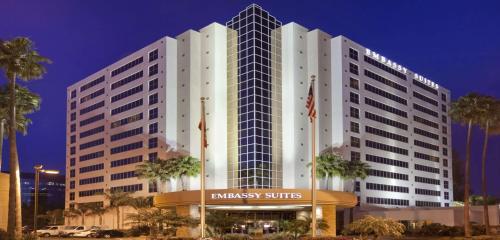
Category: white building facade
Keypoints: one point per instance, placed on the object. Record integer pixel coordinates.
(255, 73)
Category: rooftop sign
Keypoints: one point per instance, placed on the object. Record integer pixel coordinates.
(399, 68)
(254, 195)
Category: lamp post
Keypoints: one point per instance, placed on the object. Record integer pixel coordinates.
(39, 169)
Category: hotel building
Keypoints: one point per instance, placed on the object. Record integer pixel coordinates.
(255, 73)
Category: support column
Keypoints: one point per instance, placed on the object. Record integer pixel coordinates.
(183, 211)
(330, 217)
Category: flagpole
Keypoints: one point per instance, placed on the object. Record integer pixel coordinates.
(202, 171)
(313, 175)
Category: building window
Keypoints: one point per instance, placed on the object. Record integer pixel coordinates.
(443, 107)
(72, 173)
(355, 156)
(72, 185)
(354, 83)
(126, 66)
(388, 201)
(72, 162)
(446, 195)
(355, 127)
(153, 55)
(445, 173)
(445, 151)
(127, 107)
(153, 187)
(445, 162)
(127, 80)
(385, 107)
(127, 93)
(153, 84)
(92, 168)
(153, 99)
(126, 147)
(353, 68)
(444, 119)
(446, 185)
(386, 121)
(92, 108)
(153, 70)
(153, 113)
(153, 128)
(387, 161)
(129, 188)
(353, 54)
(72, 150)
(73, 94)
(357, 186)
(385, 147)
(72, 138)
(354, 112)
(355, 142)
(153, 157)
(354, 97)
(126, 161)
(445, 140)
(443, 97)
(73, 127)
(445, 130)
(73, 105)
(73, 116)
(71, 196)
(153, 143)
(387, 188)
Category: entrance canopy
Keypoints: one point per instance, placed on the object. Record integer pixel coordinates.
(256, 197)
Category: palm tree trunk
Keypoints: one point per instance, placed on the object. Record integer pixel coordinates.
(100, 220)
(182, 182)
(83, 219)
(117, 217)
(14, 227)
(467, 229)
(2, 126)
(483, 179)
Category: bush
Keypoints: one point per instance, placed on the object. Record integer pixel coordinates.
(277, 236)
(137, 231)
(376, 227)
(236, 236)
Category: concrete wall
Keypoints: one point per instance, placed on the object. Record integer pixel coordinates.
(4, 199)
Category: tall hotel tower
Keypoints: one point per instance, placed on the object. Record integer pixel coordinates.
(255, 73)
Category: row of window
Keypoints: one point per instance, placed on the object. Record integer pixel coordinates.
(123, 175)
(426, 168)
(427, 192)
(385, 147)
(425, 98)
(426, 157)
(92, 95)
(388, 161)
(425, 122)
(427, 180)
(425, 133)
(89, 193)
(384, 174)
(425, 110)
(127, 107)
(385, 67)
(127, 66)
(91, 180)
(128, 188)
(382, 133)
(425, 87)
(126, 147)
(385, 81)
(89, 85)
(384, 120)
(127, 80)
(127, 93)
(90, 144)
(91, 156)
(384, 187)
(92, 108)
(427, 204)
(92, 131)
(126, 134)
(92, 168)
(385, 94)
(384, 107)
(127, 120)
(126, 161)
(92, 119)
(153, 55)
(426, 145)
(388, 201)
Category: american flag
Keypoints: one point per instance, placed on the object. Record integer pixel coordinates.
(311, 108)
(203, 128)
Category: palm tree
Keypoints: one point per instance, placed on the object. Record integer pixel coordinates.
(83, 209)
(141, 202)
(355, 169)
(490, 115)
(329, 165)
(70, 213)
(159, 172)
(18, 59)
(118, 199)
(466, 110)
(96, 209)
(185, 166)
(55, 216)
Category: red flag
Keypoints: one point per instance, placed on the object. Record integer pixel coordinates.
(203, 128)
(311, 108)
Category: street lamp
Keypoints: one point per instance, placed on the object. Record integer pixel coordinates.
(39, 169)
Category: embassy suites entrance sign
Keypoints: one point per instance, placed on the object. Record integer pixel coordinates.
(255, 195)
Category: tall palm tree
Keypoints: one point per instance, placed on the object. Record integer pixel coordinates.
(466, 110)
(82, 209)
(185, 166)
(490, 116)
(355, 169)
(141, 202)
(70, 213)
(97, 209)
(158, 172)
(329, 165)
(18, 59)
(118, 199)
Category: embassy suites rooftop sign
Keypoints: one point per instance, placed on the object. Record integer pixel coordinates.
(254, 195)
(399, 68)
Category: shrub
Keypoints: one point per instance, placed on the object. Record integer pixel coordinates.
(137, 231)
(376, 227)
(236, 236)
(277, 236)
